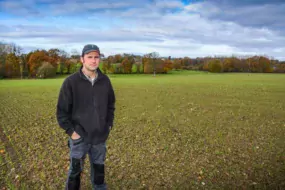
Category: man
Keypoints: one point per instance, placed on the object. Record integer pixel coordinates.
(85, 110)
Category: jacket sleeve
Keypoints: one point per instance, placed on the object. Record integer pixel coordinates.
(64, 108)
(111, 106)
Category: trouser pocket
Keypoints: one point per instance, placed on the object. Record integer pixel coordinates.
(76, 141)
(78, 148)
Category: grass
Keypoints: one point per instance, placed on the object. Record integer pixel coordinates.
(183, 130)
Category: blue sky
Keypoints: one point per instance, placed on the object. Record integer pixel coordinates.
(174, 28)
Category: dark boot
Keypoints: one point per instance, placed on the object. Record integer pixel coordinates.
(73, 182)
(99, 176)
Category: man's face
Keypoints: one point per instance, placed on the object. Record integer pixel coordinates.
(91, 60)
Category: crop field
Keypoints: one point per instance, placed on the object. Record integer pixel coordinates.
(183, 130)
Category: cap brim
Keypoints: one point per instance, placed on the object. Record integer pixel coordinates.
(88, 51)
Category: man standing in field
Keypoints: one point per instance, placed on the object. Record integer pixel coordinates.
(85, 110)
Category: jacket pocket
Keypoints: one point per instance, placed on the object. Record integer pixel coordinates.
(80, 130)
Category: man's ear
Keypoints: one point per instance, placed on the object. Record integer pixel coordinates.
(82, 59)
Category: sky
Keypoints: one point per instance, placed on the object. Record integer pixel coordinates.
(176, 28)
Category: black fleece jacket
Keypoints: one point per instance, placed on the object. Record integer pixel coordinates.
(88, 110)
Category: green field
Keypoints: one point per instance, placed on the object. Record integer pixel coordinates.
(183, 130)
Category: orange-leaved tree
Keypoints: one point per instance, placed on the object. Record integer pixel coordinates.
(259, 64)
(35, 61)
(127, 65)
(147, 68)
(53, 56)
(118, 58)
(168, 64)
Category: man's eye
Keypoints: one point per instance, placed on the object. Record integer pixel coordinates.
(96, 57)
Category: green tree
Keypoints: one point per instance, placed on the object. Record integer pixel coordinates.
(12, 66)
(215, 66)
(46, 70)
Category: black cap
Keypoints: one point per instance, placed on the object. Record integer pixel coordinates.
(90, 47)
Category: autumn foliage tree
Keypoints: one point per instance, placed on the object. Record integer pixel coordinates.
(228, 65)
(233, 64)
(118, 58)
(215, 66)
(280, 68)
(106, 66)
(168, 64)
(2, 63)
(177, 64)
(160, 66)
(46, 70)
(35, 61)
(151, 62)
(146, 64)
(12, 66)
(111, 59)
(265, 65)
(64, 62)
(17, 64)
(127, 65)
(186, 63)
(259, 64)
(3, 55)
(2, 70)
(53, 56)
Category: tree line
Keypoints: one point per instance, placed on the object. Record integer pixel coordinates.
(52, 62)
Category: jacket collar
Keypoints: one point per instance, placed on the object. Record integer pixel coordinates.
(81, 74)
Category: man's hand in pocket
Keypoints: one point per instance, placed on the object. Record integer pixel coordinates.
(75, 136)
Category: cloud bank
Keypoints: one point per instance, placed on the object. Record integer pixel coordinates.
(175, 28)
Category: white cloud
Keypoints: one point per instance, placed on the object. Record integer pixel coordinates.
(203, 8)
(269, 14)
